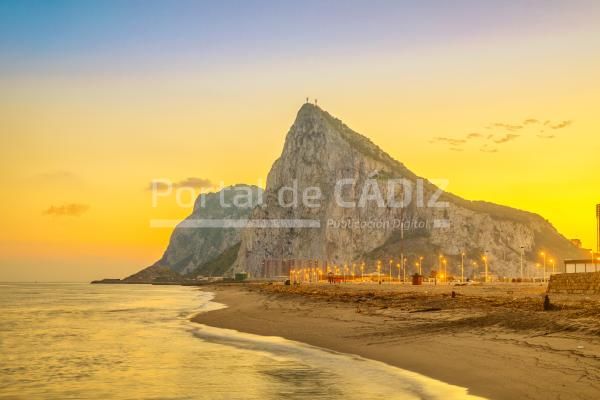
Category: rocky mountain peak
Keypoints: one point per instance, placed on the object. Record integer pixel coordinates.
(320, 150)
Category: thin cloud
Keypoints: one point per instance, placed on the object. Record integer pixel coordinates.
(506, 138)
(488, 149)
(562, 124)
(450, 141)
(510, 127)
(192, 182)
(67, 210)
(497, 134)
(474, 135)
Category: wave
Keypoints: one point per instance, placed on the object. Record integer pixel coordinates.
(375, 377)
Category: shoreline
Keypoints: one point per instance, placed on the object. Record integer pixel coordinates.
(533, 360)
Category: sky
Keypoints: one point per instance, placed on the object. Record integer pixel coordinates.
(97, 99)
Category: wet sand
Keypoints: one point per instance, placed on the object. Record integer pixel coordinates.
(495, 340)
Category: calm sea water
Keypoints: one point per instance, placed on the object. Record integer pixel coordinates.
(80, 341)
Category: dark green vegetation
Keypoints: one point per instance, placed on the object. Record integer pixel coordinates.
(218, 266)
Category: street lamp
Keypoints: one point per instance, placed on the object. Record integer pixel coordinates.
(485, 261)
(421, 265)
(462, 266)
(553, 266)
(362, 272)
(522, 250)
(444, 262)
(543, 254)
(391, 262)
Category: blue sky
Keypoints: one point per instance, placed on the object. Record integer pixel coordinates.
(138, 34)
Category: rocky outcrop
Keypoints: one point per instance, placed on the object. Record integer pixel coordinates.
(320, 151)
(219, 265)
(153, 274)
(192, 246)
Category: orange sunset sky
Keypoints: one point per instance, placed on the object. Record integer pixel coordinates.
(502, 99)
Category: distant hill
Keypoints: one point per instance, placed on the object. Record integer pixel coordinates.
(153, 273)
(191, 248)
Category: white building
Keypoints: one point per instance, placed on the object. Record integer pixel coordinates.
(572, 266)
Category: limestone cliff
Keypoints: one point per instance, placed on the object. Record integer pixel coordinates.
(191, 248)
(320, 151)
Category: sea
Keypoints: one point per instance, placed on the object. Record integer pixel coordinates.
(82, 341)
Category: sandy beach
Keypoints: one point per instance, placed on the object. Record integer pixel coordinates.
(495, 340)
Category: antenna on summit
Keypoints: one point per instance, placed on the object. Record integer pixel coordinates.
(316, 101)
(307, 100)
